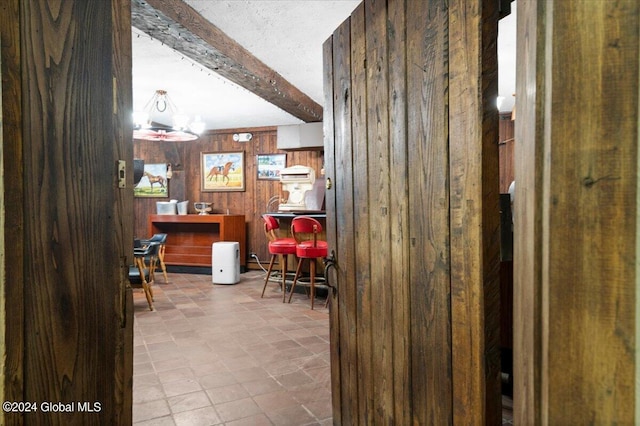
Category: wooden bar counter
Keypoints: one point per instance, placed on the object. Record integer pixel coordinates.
(189, 237)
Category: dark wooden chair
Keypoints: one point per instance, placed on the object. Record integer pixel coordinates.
(142, 273)
(162, 240)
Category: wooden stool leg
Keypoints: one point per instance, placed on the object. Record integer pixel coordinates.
(152, 277)
(312, 270)
(266, 280)
(284, 276)
(295, 278)
(162, 265)
(145, 286)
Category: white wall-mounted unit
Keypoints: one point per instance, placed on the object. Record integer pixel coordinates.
(307, 136)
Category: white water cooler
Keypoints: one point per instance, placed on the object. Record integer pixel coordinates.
(225, 262)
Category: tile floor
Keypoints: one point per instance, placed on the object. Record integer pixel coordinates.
(221, 355)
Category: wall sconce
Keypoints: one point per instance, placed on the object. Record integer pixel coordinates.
(242, 137)
(169, 171)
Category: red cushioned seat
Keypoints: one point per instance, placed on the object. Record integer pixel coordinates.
(278, 248)
(283, 246)
(306, 249)
(305, 230)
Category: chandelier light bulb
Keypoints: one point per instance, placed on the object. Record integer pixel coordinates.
(180, 121)
(140, 119)
(198, 125)
(182, 129)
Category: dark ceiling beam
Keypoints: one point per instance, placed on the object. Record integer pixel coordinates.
(180, 27)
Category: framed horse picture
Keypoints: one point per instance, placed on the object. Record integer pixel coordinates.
(222, 171)
(154, 182)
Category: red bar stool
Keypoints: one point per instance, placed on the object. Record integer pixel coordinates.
(278, 248)
(305, 230)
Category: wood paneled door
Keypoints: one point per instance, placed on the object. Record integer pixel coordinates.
(66, 314)
(411, 148)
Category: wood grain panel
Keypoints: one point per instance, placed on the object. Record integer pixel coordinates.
(73, 311)
(331, 234)
(362, 211)
(12, 202)
(576, 214)
(527, 214)
(474, 212)
(342, 116)
(400, 166)
(379, 175)
(427, 118)
(590, 212)
(399, 211)
(123, 207)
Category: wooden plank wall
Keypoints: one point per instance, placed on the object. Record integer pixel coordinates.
(397, 167)
(185, 183)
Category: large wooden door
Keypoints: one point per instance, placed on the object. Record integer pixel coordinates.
(576, 210)
(411, 151)
(66, 308)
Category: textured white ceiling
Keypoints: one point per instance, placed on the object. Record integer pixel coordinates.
(287, 35)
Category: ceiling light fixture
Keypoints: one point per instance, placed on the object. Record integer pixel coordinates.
(146, 127)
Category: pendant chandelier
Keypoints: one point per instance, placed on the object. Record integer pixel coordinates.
(182, 129)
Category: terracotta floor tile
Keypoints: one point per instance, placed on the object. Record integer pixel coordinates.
(227, 393)
(150, 410)
(174, 375)
(148, 393)
(206, 416)
(250, 374)
(291, 416)
(188, 402)
(161, 421)
(275, 401)
(142, 369)
(259, 387)
(180, 387)
(237, 409)
(217, 379)
(221, 354)
(257, 420)
(295, 379)
(143, 380)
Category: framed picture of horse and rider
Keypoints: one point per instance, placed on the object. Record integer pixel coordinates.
(222, 171)
(153, 182)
